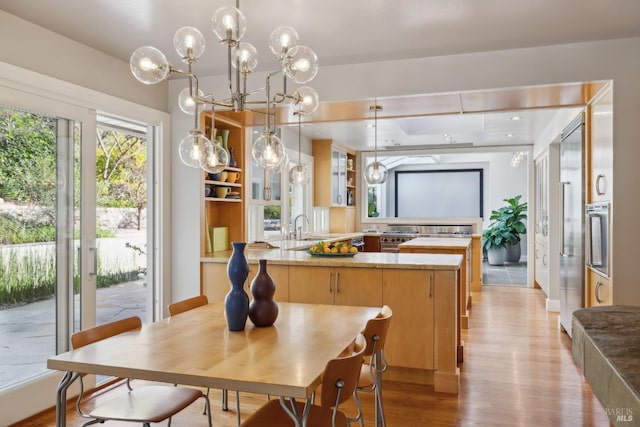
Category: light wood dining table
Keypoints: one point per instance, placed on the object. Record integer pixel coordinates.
(195, 348)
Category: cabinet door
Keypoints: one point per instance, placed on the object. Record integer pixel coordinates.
(410, 295)
(371, 244)
(358, 286)
(280, 276)
(215, 283)
(600, 292)
(601, 119)
(338, 177)
(312, 285)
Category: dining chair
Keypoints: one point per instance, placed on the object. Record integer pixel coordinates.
(189, 304)
(339, 383)
(370, 380)
(147, 404)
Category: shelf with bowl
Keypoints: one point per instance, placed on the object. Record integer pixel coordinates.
(218, 210)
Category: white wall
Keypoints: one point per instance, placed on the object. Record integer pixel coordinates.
(32, 47)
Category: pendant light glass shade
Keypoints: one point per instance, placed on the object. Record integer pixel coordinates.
(375, 173)
(268, 151)
(186, 102)
(193, 148)
(215, 159)
(282, 39)
(299, 174)
(149, 65)
(189, 42)
(229, 24)
(300, 64)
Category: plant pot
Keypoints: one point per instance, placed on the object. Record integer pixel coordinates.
(496, 256)
(514, 252)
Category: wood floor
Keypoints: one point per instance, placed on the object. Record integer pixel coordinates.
(518, 371)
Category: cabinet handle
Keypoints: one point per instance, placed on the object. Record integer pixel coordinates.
(337, 282)
(330, 277)
(430, 287)
(600, 191)
(544, 259)
(597, 292)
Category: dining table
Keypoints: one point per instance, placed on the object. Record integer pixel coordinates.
(196, 348)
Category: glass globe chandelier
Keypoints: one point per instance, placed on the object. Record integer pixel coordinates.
(297, 62)
(375, 172)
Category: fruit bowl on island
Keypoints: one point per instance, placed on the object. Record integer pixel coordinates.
(339, 249)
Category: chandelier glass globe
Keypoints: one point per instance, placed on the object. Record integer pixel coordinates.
(189, 42)
(375, 173)
(229, 25)
(246, 55)
(299, 174)
(301, 64)
(215, 159)
(186, 102)
(307, 100)
(282, 39)
(148, 65)
(193, 148)
(268, 151)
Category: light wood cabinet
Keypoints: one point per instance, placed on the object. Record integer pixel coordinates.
(341, 286)
(601, 139)
(217, 211)
(335, 183)
(410, 340)
(216, 285)
(476, 264)
(599, 290)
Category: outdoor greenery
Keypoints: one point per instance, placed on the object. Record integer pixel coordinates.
(30, 275)
(372, 203)
(28, 181)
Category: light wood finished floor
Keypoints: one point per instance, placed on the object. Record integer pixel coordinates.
(518, 371)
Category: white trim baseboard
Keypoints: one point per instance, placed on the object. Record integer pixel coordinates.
(553, 305)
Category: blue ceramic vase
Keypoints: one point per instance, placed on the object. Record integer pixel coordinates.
(236, 303)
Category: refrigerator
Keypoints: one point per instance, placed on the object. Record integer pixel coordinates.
(572, 193)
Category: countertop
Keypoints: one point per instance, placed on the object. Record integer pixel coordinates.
(361, 259)
(306, 241)
(437, 242)
(606, 344)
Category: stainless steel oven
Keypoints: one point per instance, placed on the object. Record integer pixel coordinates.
(597, 237)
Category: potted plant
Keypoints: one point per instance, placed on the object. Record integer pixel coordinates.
(494, 241)
(512, 216)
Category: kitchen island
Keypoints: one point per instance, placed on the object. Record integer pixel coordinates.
(443, 245)
(421, 289)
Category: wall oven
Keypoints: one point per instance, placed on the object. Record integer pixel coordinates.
(597, 237)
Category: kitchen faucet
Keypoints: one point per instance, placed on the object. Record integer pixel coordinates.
(297, 232)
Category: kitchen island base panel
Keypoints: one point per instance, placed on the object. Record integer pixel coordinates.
(446, 382)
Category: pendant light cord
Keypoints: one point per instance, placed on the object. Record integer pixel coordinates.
(299, 137)
(375, 129)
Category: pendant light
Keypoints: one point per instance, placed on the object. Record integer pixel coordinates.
(298, 174)
(375, 172)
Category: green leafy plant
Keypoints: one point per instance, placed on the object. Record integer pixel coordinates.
(512, 217)
(496, 236)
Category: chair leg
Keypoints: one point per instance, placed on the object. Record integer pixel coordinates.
(204, 411)
(238, 408)
(225, 400)
(380, 420)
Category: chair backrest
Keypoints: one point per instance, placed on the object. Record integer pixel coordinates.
(376, 329)
(344, 370)
(97, 333)
(187, 304)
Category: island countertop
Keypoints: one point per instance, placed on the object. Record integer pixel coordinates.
(361, 259)
(437, 242)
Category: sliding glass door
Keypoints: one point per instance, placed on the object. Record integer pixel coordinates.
(74, 215)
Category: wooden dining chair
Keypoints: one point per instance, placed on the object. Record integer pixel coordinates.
(147, 404)
(189, 304)
(339, 383)
(370, 379)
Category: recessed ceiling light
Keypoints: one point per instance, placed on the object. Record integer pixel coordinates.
(445, 135)
(509, 135)
(316, 133)
(514, 118)
(369, 126)
(389, 141)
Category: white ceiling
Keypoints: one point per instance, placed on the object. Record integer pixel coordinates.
(355, 31)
